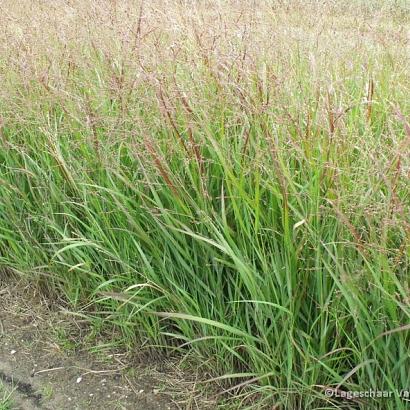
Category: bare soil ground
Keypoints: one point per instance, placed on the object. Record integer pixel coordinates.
(46, 363)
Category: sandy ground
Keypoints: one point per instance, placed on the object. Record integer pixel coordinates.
(46, 363)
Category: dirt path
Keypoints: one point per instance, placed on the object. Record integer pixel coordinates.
(45, 363)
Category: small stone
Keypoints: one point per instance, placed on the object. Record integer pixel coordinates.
(13, 352)
(79, 379)
(155, 391)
